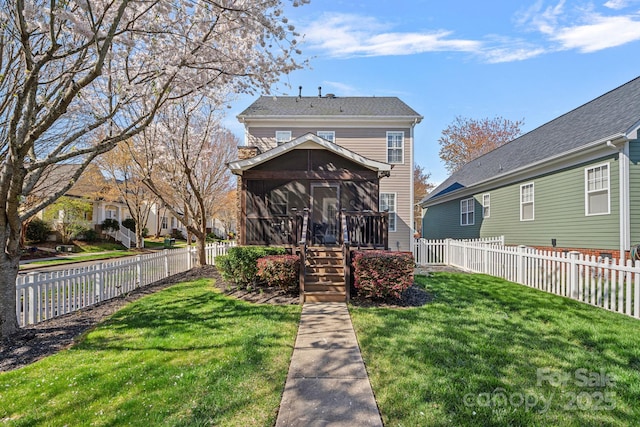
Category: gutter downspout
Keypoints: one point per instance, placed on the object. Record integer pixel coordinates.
(624, 194)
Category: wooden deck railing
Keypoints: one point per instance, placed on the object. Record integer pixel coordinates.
(368, 229)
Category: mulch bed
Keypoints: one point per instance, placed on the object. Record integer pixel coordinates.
(37, 341)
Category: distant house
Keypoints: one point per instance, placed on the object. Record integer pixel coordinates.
(571, 184)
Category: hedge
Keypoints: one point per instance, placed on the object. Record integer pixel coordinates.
(280, 270)
(382, 274)
(239, 265)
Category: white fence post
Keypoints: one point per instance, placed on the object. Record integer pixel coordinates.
(138, 270)
(447, 251)
(165, 253)
(520, 264)
(30, 300)
(98, 275)
(574, 274)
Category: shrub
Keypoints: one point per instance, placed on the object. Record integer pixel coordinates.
(279, 270)
(110, 224)
(382, 274)
(239, 266)
(38, 230)
(177, 234)
(129, 224)
(90, 235)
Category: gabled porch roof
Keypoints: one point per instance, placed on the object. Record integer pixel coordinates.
(307, 142)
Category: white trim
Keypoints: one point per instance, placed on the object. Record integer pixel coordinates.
(587, 192)
(486, 196)
(401, 132)
(394, 211)
(625, 202)
(533, 202)
(468, 201)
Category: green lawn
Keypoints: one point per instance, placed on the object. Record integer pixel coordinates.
(185, 356)
(80, 258)
(488, 352)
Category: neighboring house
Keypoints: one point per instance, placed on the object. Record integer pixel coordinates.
(571, 184)
(327, 154)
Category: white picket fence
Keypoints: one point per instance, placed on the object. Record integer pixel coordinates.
(610, 284)
(42, 296)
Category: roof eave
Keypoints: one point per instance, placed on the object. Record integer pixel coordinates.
(555, 162)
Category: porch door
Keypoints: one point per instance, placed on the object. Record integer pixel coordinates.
(324, 213)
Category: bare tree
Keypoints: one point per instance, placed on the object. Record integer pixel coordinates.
(186, 164)
(421, 187)
(466, 139)
(77, 77)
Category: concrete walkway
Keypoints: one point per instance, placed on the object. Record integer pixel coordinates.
(327, 383)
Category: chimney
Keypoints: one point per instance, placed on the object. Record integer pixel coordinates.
(319, 91)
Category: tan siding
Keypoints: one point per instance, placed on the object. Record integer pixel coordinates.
(370, 143)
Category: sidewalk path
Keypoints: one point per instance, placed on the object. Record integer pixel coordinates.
(327, 383)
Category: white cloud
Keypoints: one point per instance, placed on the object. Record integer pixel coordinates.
(619, 4)
(600, 33)
(344, 35)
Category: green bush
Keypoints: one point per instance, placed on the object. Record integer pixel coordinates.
(38, 230)
(239, 266)
(129, 224)
(110, 224)
(382, 274)
(177, 234)
(280, 270)
(90, 235)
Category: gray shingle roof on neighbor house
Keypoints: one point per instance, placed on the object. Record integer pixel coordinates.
(309, 106)
(615, 112)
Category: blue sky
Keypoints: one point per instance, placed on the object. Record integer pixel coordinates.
(531, 60)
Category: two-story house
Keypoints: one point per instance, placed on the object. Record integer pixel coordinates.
(345, 162)
(327, 153)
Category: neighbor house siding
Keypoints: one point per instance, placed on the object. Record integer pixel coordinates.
(559, 203)
(634, 190)
(372, 144)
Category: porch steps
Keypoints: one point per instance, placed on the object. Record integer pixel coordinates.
(324, 275)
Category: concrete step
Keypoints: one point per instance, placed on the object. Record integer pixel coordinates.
(325, 296)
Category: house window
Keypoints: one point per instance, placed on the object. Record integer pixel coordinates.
(388, 204)
(467, 211)
(526, 202)
(395, 147)
(283, 136)
(279, 202)
(329, 135)
(174, 223)
(597, 201)
(164, 222)
(486, 205)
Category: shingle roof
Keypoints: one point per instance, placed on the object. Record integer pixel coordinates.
(287, 106)
(615, 112)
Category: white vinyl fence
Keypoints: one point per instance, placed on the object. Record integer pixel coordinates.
(610, 284)
(42, 296)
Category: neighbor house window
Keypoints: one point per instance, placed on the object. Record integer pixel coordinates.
(174, 222)
(283, 136)
(526, 202)
(395, 147)
(329, 135)
(486, 205)
(388, 204)
(597, 199)
(164, 222)
(467, 211)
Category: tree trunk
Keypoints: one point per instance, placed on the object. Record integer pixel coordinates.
(8, 273)
(201, 250)
(139, 237)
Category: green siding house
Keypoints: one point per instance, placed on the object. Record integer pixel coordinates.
(571, 184)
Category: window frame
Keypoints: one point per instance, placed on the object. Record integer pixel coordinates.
(390, 134)
(327, 132)
(588, 192)
(532, 202)
(466, 213)
(279, 137)
(486, 205)
(393, 217)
